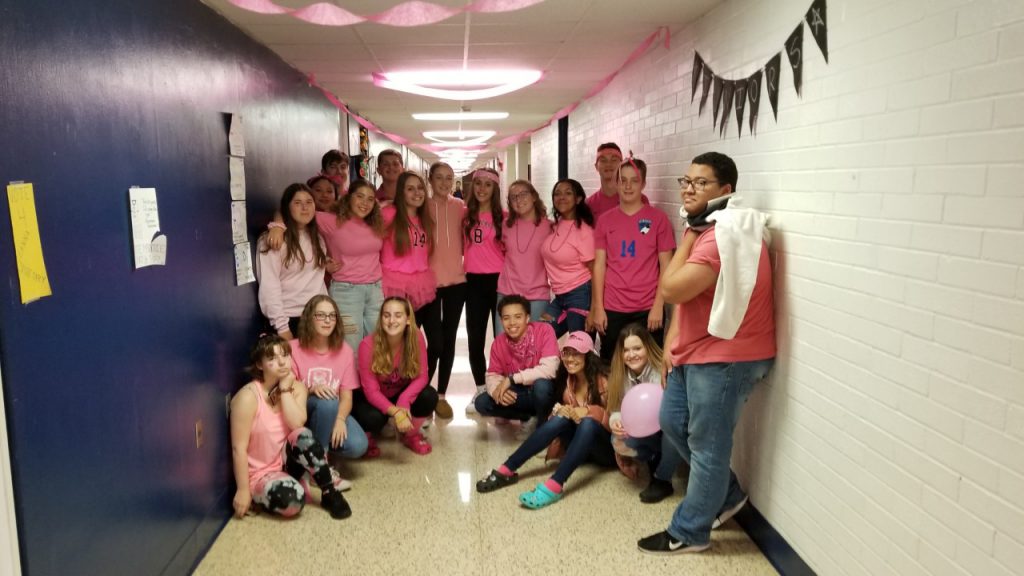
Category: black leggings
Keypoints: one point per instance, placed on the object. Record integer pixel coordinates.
(373, 420)
(480, 303)
(619, 320)
(440, 322)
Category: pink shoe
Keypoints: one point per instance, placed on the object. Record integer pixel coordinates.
(417, 443)
(372, 450)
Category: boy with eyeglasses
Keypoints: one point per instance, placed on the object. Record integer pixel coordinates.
(720, 343)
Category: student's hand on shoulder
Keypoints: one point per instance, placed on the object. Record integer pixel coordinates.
(275, 238)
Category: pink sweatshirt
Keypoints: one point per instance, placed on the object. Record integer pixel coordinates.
(447, 257)
(523, 272)
(542, 361)
(284, 290)
(417, 258)
(380, 389)
(354, 245)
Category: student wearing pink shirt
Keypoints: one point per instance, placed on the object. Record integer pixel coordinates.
(293, 273)
(568, 255)
(408, 242)
(523, 362)
(267, 438)
(609, 157)
(526, 229)
(632, 245)
(484, 258)
(393, 373)
(325, 193)
(326, 365)
(440, 319)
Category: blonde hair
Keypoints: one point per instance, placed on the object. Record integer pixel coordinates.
(383, 359)
(619, 373)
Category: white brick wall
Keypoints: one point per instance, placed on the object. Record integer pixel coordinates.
(890, 439)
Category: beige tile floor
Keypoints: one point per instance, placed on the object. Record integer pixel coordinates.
(421, 515)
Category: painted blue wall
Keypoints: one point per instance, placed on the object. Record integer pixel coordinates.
(104, 380)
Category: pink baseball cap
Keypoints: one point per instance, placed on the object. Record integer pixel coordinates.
(579, 341)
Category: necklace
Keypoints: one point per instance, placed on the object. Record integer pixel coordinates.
(567, 234)
(532, 234)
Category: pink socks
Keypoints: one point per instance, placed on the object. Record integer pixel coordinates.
(555, 487)
(505, 471)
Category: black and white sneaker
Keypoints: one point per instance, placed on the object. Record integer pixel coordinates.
(664, 543)
(726, 515)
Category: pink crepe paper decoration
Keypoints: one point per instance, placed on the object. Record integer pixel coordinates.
(406, 14)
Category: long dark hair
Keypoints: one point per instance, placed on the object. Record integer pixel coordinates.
(593, 370)
(473, 210)
(293, 249)
(583, 211)
(399, 228)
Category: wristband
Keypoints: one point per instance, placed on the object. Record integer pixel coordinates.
(511, 380)
(272, 225)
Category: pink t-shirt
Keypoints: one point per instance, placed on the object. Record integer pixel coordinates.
(484, 254)
(379, 389)
(416, 258)
(523, 272)
(755, 339)
(632, 244)
(566, 253)
(599, 203)
(354, 245)
(335, 369)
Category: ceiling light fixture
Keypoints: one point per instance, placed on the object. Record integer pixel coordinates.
(460, 116)
(459, 138)
(423, 83)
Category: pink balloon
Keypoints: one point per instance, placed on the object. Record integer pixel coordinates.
(640, 409)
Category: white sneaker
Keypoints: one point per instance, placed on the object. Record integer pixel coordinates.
(725, 516)
(471, 407)
(344, 485)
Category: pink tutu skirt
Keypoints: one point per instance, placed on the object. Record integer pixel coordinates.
(419, 287)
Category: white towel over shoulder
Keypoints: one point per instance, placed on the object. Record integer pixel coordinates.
(738, 232)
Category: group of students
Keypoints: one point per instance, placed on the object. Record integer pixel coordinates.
(341, 363)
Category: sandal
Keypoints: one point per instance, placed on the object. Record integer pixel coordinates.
(495, 480)
(539, 497)
(417, 443)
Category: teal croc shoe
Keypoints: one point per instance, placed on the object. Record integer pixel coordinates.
(539, 497)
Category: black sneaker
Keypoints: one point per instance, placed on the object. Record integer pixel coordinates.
(664, 543)
(335, 503)
(656, 491)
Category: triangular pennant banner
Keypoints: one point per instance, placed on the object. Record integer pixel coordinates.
(795, 51)
(741, 104)
(817, 21)
(771, 82)
(698, 66)
(708, 76)
(754, 97)
(727, 91)
(717, 102)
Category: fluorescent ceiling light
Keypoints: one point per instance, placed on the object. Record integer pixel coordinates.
(460, 138)
(459, 116)
(497, 82)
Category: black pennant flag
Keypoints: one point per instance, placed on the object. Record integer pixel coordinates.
(754, 97)
(817, 21)
(741, 105)
(698, 66)
(771, 82)
(709, 75)
(717, 102)
(795, 51)
(727, 91)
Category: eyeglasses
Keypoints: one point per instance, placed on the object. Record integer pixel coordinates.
(325, 316)
(520, 196)
(698, 184)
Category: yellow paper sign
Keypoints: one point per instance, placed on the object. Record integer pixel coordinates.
(27, 248)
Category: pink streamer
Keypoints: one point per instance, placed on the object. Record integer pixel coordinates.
(406, 14)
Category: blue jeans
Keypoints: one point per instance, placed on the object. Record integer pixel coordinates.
(536, 309)
(583, 441)
(659, 452)
(576, 299)
(699, 410)
(535, 400)
(360, 306)
(320, 416)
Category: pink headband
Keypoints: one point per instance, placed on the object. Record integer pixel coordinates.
(609, 150)
(486, 175)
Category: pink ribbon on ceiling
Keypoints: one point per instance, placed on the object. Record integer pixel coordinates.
(412, 13)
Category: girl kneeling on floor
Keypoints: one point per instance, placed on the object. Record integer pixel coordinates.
(578, 424)
(267, 438)
(393, 374)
